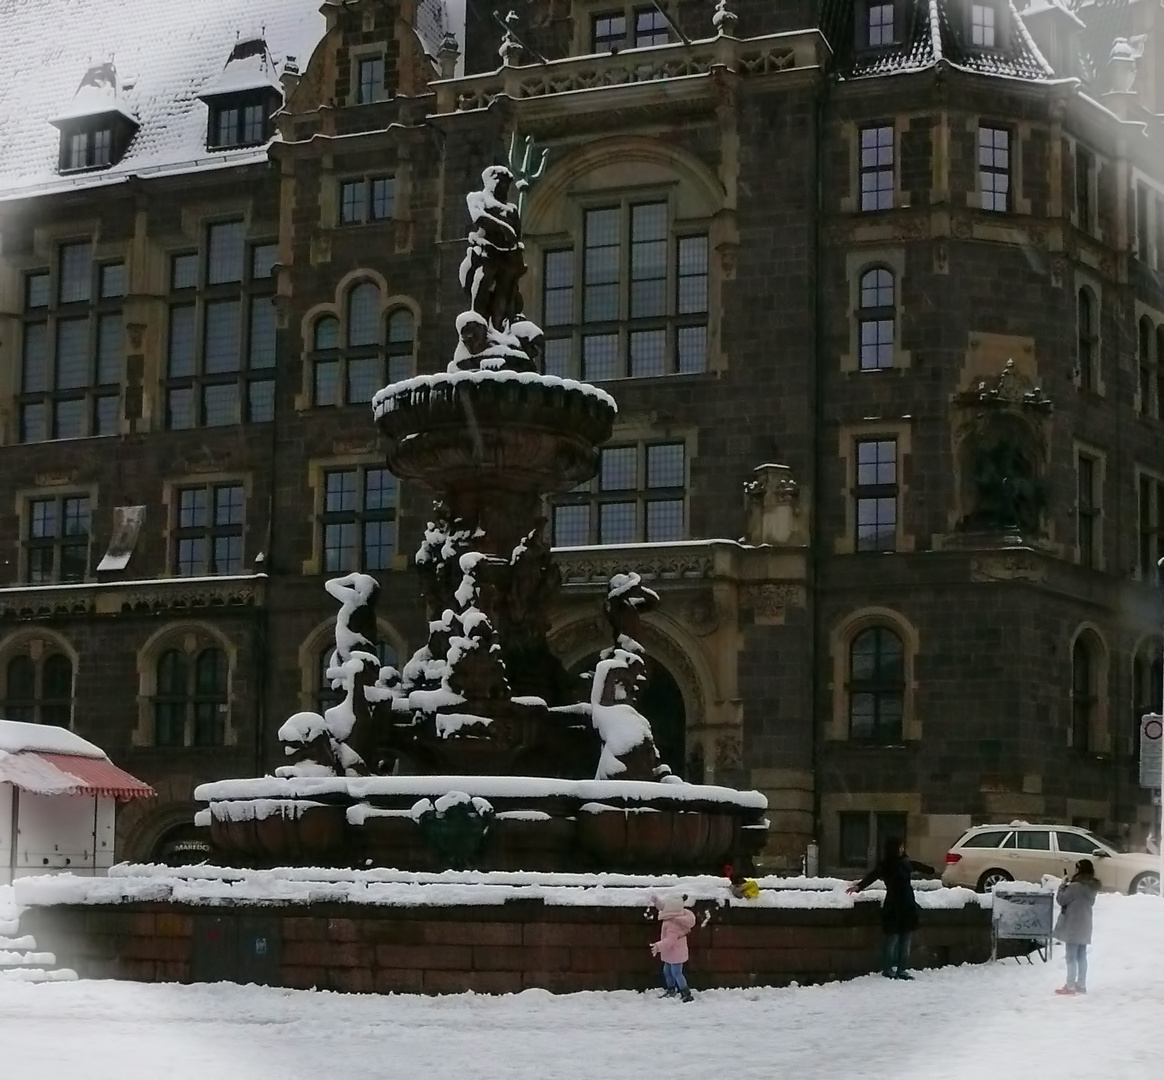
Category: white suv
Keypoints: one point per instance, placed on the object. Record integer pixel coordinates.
(988, 854)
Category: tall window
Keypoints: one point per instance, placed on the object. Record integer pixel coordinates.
(56, 539)
(650, 27)
(609, 29)
(72, 348)
(358, 522)
(879, 24)
(89, 149)
(877, 168)
(377, 350)
(876, 494)
(38, 691)
(642, 307)
(1150, 524)
(369, 79)
(1084, 167)
(208, 532)
(1087, 509)
(220, 357)
(994, 168)
(876, 686)
(982, 25)
(370, 198)
(876, 320)
(1084, 691)
(191, 701)
(1088, 338)
(239, 122)
(1149, 401)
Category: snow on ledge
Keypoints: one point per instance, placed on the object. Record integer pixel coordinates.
(488, 787)
(385, 400)
(211, 885)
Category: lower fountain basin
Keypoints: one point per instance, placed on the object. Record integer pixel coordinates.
(515, 823)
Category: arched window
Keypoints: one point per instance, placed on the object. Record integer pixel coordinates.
(191, 699)
(876, 320)
(1088, 339)
(348, 367)
(38, 691)
(1084, 692)
(1148, 402)
(876, 686)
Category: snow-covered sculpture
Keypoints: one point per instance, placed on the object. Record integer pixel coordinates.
(1123, 61)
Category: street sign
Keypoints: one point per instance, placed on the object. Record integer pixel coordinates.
(1151, 750)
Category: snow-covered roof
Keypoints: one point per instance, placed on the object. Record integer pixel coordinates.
(18, 738)
(166, 53)
(98, 95)
(249, 67)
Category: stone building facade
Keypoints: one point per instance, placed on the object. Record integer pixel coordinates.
(877, 287)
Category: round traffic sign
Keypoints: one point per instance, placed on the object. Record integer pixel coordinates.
(1153, 729)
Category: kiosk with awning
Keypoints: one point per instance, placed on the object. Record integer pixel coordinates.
(58, 802)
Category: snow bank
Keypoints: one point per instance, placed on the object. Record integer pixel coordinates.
(307, 885)
(488, 787)
(17, 737)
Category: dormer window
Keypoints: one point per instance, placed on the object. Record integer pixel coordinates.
(97, 127)
(238, 123)
(369, 80)
(880, 24)
(982, 31)
(242, 98)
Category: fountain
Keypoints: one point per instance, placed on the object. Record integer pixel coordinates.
(481, 751)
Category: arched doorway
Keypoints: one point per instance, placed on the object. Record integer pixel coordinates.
(183, 845)
(662, 704)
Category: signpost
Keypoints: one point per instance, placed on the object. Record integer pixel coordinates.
(1152, 773)
(1022, 915)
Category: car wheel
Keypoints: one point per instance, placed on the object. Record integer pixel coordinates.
(992, 878)
(1146, 884)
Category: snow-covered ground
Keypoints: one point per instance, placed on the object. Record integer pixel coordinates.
(1001, 1021)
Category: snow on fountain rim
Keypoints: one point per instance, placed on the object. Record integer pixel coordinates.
(219, 886)
(383, 399)
(489, 787)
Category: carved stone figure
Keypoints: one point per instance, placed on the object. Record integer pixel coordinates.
(1003, 468)
(495, 261)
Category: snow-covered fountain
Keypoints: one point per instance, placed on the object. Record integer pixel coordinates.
(481, 751)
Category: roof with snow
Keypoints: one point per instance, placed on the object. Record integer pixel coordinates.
(49, 760)
(165, 53)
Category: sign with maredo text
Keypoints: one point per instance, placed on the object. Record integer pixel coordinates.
(1151, 749)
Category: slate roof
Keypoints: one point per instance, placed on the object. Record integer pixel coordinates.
(166, 52)
(933, 31)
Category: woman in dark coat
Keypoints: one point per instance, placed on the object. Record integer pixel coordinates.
(899, 916)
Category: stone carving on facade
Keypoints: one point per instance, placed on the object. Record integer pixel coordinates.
(682, 564)
(1123, 61)
(773, 508)
(1007, 568)
(768, 602)
(1001, 444)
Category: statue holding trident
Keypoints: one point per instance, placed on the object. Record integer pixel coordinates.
(493, 332)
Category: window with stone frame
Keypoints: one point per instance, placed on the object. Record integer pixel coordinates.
(357, 519)
(876, 319)
(875, 494)
(877, 167)
(1147, 677)
(1149, 373)
(631, 301)
(878, 28)
(863, 835)
(352, 360)
(221, 339)
(207, 532)
(191, 699)
(1150, 526)
(365, 199)
(1087, 339)
(983, 31)
(327, 695)
(876, 686)
(630, 27)
(239, 120)
(1088, 508)
(38, 688)
(638, 496)
(1085, 662)
(56, 538)
(72, 358)
(369, 79)
(994, 168)
(1084, 171)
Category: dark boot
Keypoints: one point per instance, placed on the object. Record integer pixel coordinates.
(685, 994)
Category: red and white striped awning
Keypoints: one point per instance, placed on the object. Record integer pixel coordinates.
(70, 774)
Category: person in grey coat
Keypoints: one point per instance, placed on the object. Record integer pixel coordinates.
(1073, 927)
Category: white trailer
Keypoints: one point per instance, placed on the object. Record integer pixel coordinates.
(58, 802)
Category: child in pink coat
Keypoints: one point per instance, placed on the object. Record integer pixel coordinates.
(671, 947)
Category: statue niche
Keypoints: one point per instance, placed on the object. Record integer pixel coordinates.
(1002, 453)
